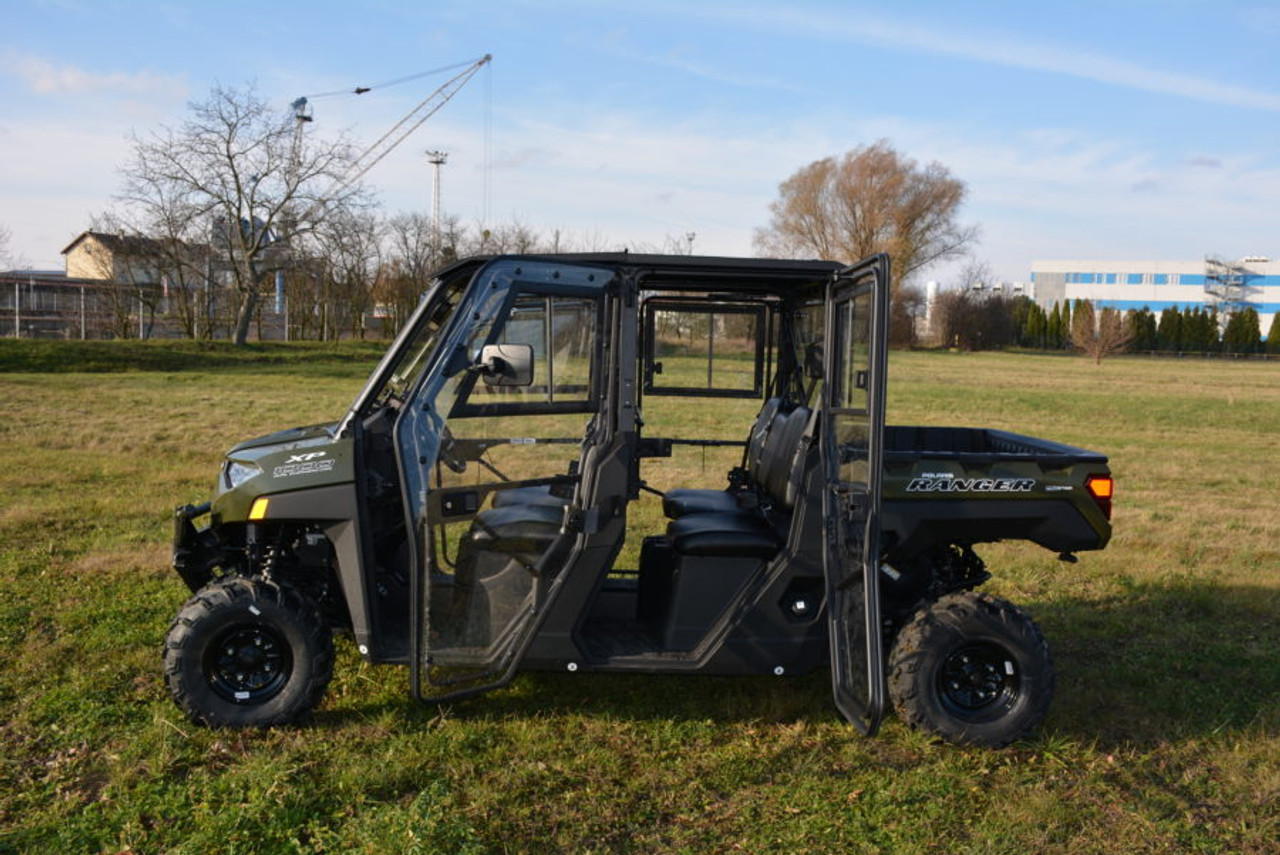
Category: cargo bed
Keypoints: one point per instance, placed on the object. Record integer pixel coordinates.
(960, 485)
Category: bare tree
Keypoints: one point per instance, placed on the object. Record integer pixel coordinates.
(872, 199)
(416, 250)
(513, 237)
(5, 255)
(971, 318)
(231, 177)
(955, 314)
(352, 245)
(1099, 334)
(905, 315)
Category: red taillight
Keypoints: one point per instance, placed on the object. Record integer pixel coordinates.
(1101, 487)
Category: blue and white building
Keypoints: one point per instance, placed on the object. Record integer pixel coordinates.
(1157, 285)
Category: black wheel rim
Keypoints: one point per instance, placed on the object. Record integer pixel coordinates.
(979, 682)
(248, 663)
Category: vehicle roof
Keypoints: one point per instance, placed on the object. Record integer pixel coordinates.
(763, 273)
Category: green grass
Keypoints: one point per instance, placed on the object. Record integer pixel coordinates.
(1164, 736)
(26, 355)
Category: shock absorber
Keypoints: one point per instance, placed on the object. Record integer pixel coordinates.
(265, 557)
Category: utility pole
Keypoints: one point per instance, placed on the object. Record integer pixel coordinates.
(436, 159)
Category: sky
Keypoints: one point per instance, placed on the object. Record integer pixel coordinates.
(1124, 130)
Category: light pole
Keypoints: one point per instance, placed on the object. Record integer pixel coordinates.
(436, 159)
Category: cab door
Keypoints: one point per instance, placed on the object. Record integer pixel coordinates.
(852, 452)
(490, 447)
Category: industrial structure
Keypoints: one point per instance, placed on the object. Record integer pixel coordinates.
(50, 304)
(1214, 283)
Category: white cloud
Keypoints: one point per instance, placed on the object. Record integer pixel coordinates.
(48, 78)
(1059, 195)
(685, 59)
(992, 48)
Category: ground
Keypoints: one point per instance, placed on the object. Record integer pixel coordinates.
(1165, 735)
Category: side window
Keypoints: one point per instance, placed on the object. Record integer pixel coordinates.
(704, 349)
(807, 330)
(561, 335)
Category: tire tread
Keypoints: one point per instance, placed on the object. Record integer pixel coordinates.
(910, 689)
(183, 641)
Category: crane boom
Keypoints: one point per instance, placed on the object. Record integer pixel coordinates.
(398, 133)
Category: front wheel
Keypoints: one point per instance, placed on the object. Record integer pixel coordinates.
(973, 669)
(248, 653)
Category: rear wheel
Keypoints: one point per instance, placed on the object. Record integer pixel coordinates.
(973, 669)
(248, 653)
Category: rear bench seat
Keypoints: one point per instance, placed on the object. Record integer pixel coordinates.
(690, 576)
(716, 542)
(717, 522)
(677, 503)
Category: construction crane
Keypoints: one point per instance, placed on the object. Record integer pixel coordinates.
(388, 142)
(370, 157)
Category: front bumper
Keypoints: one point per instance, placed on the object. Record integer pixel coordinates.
(196, 552)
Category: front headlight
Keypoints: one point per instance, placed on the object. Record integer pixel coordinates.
(238, 473)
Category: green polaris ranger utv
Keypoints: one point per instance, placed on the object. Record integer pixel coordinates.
(481, 507)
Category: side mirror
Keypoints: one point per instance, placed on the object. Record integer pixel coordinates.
(506, 364)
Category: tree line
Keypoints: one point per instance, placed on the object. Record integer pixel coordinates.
(237, 205)
(236, 219)
(974, 320)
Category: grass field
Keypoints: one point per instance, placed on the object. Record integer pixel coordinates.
(1165, 735)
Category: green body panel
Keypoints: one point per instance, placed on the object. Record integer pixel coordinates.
(973, 484)
(292, 460)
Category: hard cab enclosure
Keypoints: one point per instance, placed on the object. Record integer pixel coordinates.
(485, 505)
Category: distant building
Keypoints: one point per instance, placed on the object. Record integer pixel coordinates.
(1158, 285)
(134, 260)
(49, 304)
(114, 286)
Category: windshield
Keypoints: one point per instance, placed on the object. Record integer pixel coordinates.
(407, 361)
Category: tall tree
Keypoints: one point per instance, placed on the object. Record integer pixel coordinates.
(954, 318)
(352, 247)
(1055, 331)
(1142, 329)
(1243, 333)
(1169, 330)
(905, 314)
(416, 250)
(871, 199)
(234, 176)
(1020, 309)
(1036, 330)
